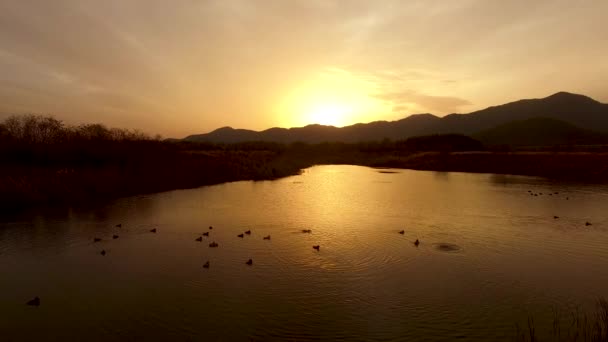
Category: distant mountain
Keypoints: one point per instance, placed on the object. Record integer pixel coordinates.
(577, 110)
(540, 132)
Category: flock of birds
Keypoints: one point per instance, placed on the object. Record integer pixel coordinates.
(213, 244)
(553, 194)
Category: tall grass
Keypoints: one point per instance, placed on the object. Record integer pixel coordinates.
(571, 327)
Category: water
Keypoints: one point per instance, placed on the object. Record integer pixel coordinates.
(490, 256)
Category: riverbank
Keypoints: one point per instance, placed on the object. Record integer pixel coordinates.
(26, 186)
(571, 166)
(44, 162)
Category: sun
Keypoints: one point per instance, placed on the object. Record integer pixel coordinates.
(332, 98)
(328, 113)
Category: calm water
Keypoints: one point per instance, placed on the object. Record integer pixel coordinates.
(509, 258)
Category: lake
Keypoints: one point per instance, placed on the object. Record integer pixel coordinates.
(490, 256)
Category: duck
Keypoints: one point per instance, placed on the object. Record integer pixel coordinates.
(210, 227)
(240, 235)
(402, 232)
(587, 223)
(34, 302)
(206, 234)
(199, 239)
(103, 252)
(213, 244)
(267, 237)
(417, 242)
(119, 225)
(114, 236)
(556, 217)
(96, 239)
(153, 230)
(306, 231)
(248, 232)
(249, 262)
(206, 265)
(317, 247)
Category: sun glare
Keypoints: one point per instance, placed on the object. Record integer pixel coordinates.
(331, 114)
(333, 99)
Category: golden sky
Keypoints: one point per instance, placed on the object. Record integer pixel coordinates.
(190, 66)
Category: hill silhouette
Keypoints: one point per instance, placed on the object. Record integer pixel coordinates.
(577, 110)
(540, 132)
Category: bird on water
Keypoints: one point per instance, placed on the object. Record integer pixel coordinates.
(34, 302)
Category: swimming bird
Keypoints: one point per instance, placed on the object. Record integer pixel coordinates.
(153, 230)
(416, 243)
(114, 236)
(402, 232)
(587, 223)
(206, 265)
(199, 239)
(96, 239)
(213, 244)
(555, 217)
(240, 235)
(206, 234)
(34, 302)
(119, 225)
(103, 252)
(317, 247)
(248, 232)
(267, 237)
(249, 262)
(306, 231)
(210, 227)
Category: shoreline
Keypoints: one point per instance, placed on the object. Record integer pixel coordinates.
(37, 187)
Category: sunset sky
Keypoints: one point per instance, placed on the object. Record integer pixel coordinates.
(190, 66)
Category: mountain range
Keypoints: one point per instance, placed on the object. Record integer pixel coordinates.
(560, 118)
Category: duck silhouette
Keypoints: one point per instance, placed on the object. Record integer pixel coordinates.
(210, 227)
(114, 236)
(267, 237)
(317, 247)
(240, 235)
(402, 232)
(206, 234)
(249, 262)
(213, 244)
(206, 265)
(248, 232)
(199, 239)
(96, 239)
(119, 225)
(103, 252)
(587, 223)
(556, 217)
(34, 302)
(306, 231)
(153, 230)
(417, 242)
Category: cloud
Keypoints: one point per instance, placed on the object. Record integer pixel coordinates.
(431, 103)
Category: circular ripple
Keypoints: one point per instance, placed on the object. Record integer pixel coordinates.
(447, 247)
